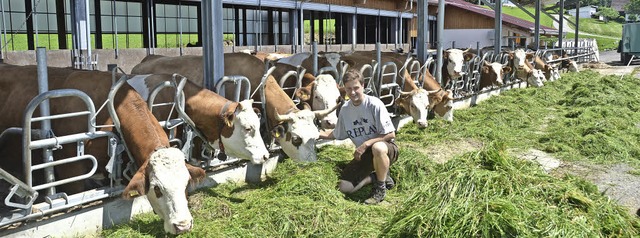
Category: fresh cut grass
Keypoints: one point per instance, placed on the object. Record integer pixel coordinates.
(486, 192)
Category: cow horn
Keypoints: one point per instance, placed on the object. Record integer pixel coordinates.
(405, 93)
(281, 118)
(486, 63)
(434, 91)
(325, 112)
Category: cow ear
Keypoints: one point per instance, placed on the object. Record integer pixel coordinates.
(506, 69)
(450, 94)
(529, 55)
(468, 56)
(228, 118)
(304, 94)
(277, 131)
(485, 69)
(258, 112)
(197, 174)
(138, 185)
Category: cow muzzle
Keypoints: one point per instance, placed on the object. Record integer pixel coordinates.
(182, 227)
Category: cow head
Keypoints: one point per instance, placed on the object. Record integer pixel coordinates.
(493, 72)
(518, 57)
(322, 93)
(416, 103)
(536, 78)
(572, 66)
(442, 103)
(551, 72)
(454, 59)
(165, 176)
(241, 135)
(297, 134)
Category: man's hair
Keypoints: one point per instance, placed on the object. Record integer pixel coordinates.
(353, 74)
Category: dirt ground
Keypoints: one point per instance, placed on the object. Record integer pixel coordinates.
(618, 181)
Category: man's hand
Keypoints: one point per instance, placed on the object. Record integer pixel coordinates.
(359, 151)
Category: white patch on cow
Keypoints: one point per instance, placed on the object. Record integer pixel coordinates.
(456, 61)
(496, 68)
(448, 116)
(419, 107)
(519, 56)
(138, 83)
(301, 126)
(295, 60)
(333, 59)
(536, 78)
(245, 141)
(573, 66)
(168, 180)
(326, 95)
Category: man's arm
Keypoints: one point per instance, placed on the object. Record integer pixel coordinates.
(327, 134)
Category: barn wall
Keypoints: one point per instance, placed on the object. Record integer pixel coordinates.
(128, 58)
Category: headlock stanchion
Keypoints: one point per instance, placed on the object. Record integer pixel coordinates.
(59, 201)
(296, 75)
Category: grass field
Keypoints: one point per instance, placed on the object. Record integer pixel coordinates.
(485, 192)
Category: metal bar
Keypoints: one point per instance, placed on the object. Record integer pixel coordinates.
(43, 86)
(58, 116)
(50, 165)
(440, 31)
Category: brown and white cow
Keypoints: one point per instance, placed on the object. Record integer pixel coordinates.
(452, 63)
(492, 74)
(524, 70)
(293, 129)
(550, 70)
(319, 93)
(235, 125)
(162, 172)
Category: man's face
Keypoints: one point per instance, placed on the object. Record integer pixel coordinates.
(355, 91)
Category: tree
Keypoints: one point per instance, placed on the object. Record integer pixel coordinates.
(608, 13)
(633, 7)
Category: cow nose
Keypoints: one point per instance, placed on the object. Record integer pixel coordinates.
(327, 124)
(182, 227)
(265, 158)
(422, 124)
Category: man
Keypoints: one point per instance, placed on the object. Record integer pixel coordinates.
(364, 119)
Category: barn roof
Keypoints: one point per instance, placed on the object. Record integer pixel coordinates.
(517, 22)
(618, 5)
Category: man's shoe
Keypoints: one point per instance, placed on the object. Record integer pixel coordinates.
(388, 182)
(378, 192)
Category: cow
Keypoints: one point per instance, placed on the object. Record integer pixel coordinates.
(232, 127)
(566, 63)
(316, 93)
(550, 70)
(523, 69)
(293, 129)
(491, 74)
(452, 62)
(163, 175)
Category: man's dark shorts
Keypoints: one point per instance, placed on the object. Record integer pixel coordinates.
(357, 170)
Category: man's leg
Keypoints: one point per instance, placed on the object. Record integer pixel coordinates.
(380, 160)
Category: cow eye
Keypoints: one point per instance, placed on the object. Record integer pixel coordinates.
(157, 191)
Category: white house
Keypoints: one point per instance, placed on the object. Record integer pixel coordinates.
(585, 12)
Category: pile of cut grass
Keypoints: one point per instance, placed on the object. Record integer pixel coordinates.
(489, 194)
(481, 193)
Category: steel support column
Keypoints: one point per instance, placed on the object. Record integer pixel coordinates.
(212, 50)
(537, 27)
(423, 30)
(440, 31)
(497, 41)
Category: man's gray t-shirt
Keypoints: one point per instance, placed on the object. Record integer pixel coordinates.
(363, 122)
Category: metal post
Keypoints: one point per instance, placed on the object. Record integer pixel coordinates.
(43, 86)
(295, 21)
(354, 32)
(440, 40)
(212, 50)
(561, 24)
(314, 49)
(575, 44)
(537, 27)
(423, 31)
(497, 41)
(3, 50)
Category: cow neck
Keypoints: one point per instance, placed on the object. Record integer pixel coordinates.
(221, 124)
(204, 107)
(140, 129)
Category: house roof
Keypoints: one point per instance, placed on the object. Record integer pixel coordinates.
(618, 5)
(505, 18)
